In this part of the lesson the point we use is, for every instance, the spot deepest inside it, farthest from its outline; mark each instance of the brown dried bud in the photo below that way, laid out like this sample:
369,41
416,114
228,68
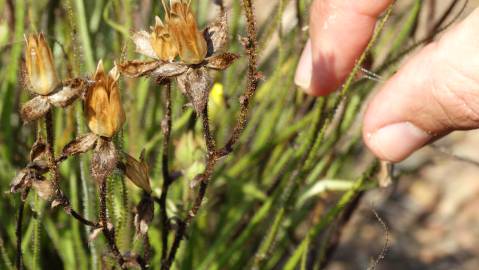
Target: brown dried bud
104,111
137,172
195,84
144,215
103,160
40,66
190,42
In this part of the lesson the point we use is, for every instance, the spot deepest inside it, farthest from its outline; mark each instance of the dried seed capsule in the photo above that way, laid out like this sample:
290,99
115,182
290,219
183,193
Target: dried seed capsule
41,71
190,42
104,111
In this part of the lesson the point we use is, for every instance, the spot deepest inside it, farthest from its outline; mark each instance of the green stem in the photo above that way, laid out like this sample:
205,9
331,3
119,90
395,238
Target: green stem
84,34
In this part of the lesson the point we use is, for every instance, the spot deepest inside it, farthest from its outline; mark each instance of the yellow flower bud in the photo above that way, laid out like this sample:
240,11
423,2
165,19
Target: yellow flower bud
190,42
40,66
162,42
104,111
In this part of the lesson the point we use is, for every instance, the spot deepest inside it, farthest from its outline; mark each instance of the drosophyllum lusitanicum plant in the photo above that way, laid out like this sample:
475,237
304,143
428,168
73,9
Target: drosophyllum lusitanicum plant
179,52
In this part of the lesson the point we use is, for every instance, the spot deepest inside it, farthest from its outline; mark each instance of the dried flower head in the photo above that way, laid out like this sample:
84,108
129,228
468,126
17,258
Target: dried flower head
33,174
190,42
41,73
104,111
198,52
42,80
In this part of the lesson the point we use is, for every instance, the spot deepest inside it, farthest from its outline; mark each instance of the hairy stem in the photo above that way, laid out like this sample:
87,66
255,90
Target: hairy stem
166,128
250,44
109,233
18,233
203,179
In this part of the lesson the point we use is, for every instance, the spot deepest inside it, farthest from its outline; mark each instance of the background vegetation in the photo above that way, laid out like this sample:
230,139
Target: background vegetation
279,201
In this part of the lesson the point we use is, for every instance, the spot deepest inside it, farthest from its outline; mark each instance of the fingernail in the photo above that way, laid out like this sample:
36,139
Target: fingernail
396,142
302,77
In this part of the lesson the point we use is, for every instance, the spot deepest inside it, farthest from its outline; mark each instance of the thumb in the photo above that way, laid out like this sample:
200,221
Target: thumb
434,93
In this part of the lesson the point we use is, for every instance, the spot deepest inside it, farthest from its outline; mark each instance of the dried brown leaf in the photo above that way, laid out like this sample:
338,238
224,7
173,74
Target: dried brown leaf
196,84
68,93
22,180
38,149
35,108
135,68
144,215
44,189
168,70
216,35
104,160
143,44
80,145
222,61
137,172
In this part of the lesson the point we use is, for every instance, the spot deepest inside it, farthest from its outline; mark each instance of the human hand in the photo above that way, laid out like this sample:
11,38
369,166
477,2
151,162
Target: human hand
435,92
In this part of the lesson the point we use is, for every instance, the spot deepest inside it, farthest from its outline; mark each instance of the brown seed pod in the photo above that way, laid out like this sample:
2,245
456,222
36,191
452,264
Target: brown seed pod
195,84
104,111
144,215
103,160
41,73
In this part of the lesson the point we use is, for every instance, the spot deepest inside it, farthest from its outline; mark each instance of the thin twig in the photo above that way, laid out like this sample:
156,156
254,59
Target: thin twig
254,77
386,242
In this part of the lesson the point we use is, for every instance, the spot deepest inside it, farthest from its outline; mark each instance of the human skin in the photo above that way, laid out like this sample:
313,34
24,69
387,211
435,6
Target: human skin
435,91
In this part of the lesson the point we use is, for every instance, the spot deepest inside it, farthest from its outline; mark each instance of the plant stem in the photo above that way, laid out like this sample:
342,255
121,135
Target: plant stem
109,233
166,128
18,233
203,179
84,34
60,197
250,44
